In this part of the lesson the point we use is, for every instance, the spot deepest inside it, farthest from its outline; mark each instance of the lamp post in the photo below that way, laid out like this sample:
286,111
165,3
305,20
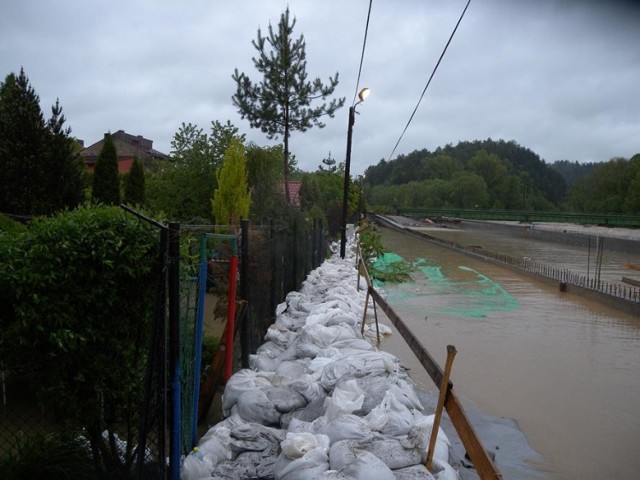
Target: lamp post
364,93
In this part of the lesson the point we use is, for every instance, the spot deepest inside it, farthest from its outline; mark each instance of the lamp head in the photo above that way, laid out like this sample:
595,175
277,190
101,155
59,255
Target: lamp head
364,93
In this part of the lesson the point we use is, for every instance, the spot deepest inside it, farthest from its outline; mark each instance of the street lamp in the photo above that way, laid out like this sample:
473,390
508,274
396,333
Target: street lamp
364,93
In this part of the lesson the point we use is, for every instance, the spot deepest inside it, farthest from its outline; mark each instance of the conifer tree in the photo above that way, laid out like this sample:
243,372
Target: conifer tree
22,148
281,102
106,182
134,191
40,170
231,200
67,171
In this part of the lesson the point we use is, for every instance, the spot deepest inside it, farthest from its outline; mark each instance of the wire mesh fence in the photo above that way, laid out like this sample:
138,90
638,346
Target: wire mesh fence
274,259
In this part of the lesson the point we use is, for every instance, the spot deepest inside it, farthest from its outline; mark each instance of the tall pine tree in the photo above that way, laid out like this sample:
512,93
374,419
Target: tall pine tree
40,170
67,171
22,148
106,182
281,102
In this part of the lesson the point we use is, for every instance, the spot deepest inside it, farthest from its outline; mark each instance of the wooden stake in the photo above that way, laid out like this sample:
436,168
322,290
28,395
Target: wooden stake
444,387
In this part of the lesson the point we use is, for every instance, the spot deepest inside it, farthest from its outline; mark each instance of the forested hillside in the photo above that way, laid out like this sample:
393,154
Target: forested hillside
478,174
573,171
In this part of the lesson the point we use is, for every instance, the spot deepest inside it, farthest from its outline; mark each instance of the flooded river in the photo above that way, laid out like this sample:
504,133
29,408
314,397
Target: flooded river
566,368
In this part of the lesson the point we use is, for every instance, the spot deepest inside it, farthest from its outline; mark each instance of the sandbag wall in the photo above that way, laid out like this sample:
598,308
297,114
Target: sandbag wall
320,401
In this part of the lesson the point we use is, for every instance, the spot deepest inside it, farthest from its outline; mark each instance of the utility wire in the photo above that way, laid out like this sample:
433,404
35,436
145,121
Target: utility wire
429,81
364,43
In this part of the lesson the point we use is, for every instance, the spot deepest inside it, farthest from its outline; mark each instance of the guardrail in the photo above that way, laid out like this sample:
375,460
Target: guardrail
607,219
486,468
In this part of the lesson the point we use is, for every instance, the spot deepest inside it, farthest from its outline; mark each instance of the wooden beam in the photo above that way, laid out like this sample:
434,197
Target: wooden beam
485,467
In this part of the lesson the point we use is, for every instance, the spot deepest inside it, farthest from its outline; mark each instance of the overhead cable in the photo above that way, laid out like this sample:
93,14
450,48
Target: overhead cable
364,43
429,81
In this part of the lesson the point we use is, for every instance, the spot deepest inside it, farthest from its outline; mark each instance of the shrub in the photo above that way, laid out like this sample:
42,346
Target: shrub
77,291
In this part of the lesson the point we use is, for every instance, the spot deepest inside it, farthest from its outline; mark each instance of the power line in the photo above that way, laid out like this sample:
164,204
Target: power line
364,43
429,81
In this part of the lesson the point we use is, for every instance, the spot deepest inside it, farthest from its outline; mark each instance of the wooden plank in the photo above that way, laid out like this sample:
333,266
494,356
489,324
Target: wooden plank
485,467
426,360
631,281
481,460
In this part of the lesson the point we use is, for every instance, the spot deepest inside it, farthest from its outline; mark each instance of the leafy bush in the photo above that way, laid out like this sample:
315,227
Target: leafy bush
49,457
77,293
372,250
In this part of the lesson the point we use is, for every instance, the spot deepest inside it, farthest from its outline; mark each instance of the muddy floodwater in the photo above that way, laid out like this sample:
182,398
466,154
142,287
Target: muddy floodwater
566,368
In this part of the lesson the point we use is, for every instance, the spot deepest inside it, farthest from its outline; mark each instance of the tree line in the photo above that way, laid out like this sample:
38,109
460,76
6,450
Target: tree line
499,174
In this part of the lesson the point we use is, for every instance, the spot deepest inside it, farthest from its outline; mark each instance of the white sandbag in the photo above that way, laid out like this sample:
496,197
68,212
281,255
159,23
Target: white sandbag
285,399
419,435
393,454
414,472
280,335
295,445
253,437
310,413
391,417
195,466
306,386
261,363
214,445
371,333
388,449
358,365
240,382
308,467
444,471
352,344
375,388
345,427
255,406
314,337
270,349
367,466
299,426
346,398
291,369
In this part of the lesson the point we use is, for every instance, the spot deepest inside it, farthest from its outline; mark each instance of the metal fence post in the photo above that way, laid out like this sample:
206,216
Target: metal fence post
245,292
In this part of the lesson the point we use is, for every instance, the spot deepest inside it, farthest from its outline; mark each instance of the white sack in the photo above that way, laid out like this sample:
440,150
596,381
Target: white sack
347,398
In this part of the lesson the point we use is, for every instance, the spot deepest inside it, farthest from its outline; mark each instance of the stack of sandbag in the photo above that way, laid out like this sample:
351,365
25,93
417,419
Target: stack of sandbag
320,401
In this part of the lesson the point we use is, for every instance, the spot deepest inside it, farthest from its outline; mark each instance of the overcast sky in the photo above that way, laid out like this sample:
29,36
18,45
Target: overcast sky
561,77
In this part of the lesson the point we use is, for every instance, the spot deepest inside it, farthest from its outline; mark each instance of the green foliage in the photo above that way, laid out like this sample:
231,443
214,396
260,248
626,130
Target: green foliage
573,171
309,193
9,225
264,172
231,200
281,102
106,180
40,171
77,294
611,187
182,189
514,178
372,250
134,192
48,456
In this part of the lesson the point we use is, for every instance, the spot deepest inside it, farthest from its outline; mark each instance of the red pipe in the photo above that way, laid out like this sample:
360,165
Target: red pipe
231,315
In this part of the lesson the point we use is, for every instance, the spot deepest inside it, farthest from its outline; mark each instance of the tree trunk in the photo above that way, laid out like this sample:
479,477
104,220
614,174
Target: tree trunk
286,155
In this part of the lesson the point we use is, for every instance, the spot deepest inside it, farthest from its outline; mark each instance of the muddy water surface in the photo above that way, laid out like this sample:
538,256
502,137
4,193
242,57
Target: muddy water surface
568,369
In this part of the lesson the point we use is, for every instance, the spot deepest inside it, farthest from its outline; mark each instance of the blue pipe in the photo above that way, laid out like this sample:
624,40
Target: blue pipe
202,293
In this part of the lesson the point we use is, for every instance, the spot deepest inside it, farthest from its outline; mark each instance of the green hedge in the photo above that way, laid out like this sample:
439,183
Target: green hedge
77,295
